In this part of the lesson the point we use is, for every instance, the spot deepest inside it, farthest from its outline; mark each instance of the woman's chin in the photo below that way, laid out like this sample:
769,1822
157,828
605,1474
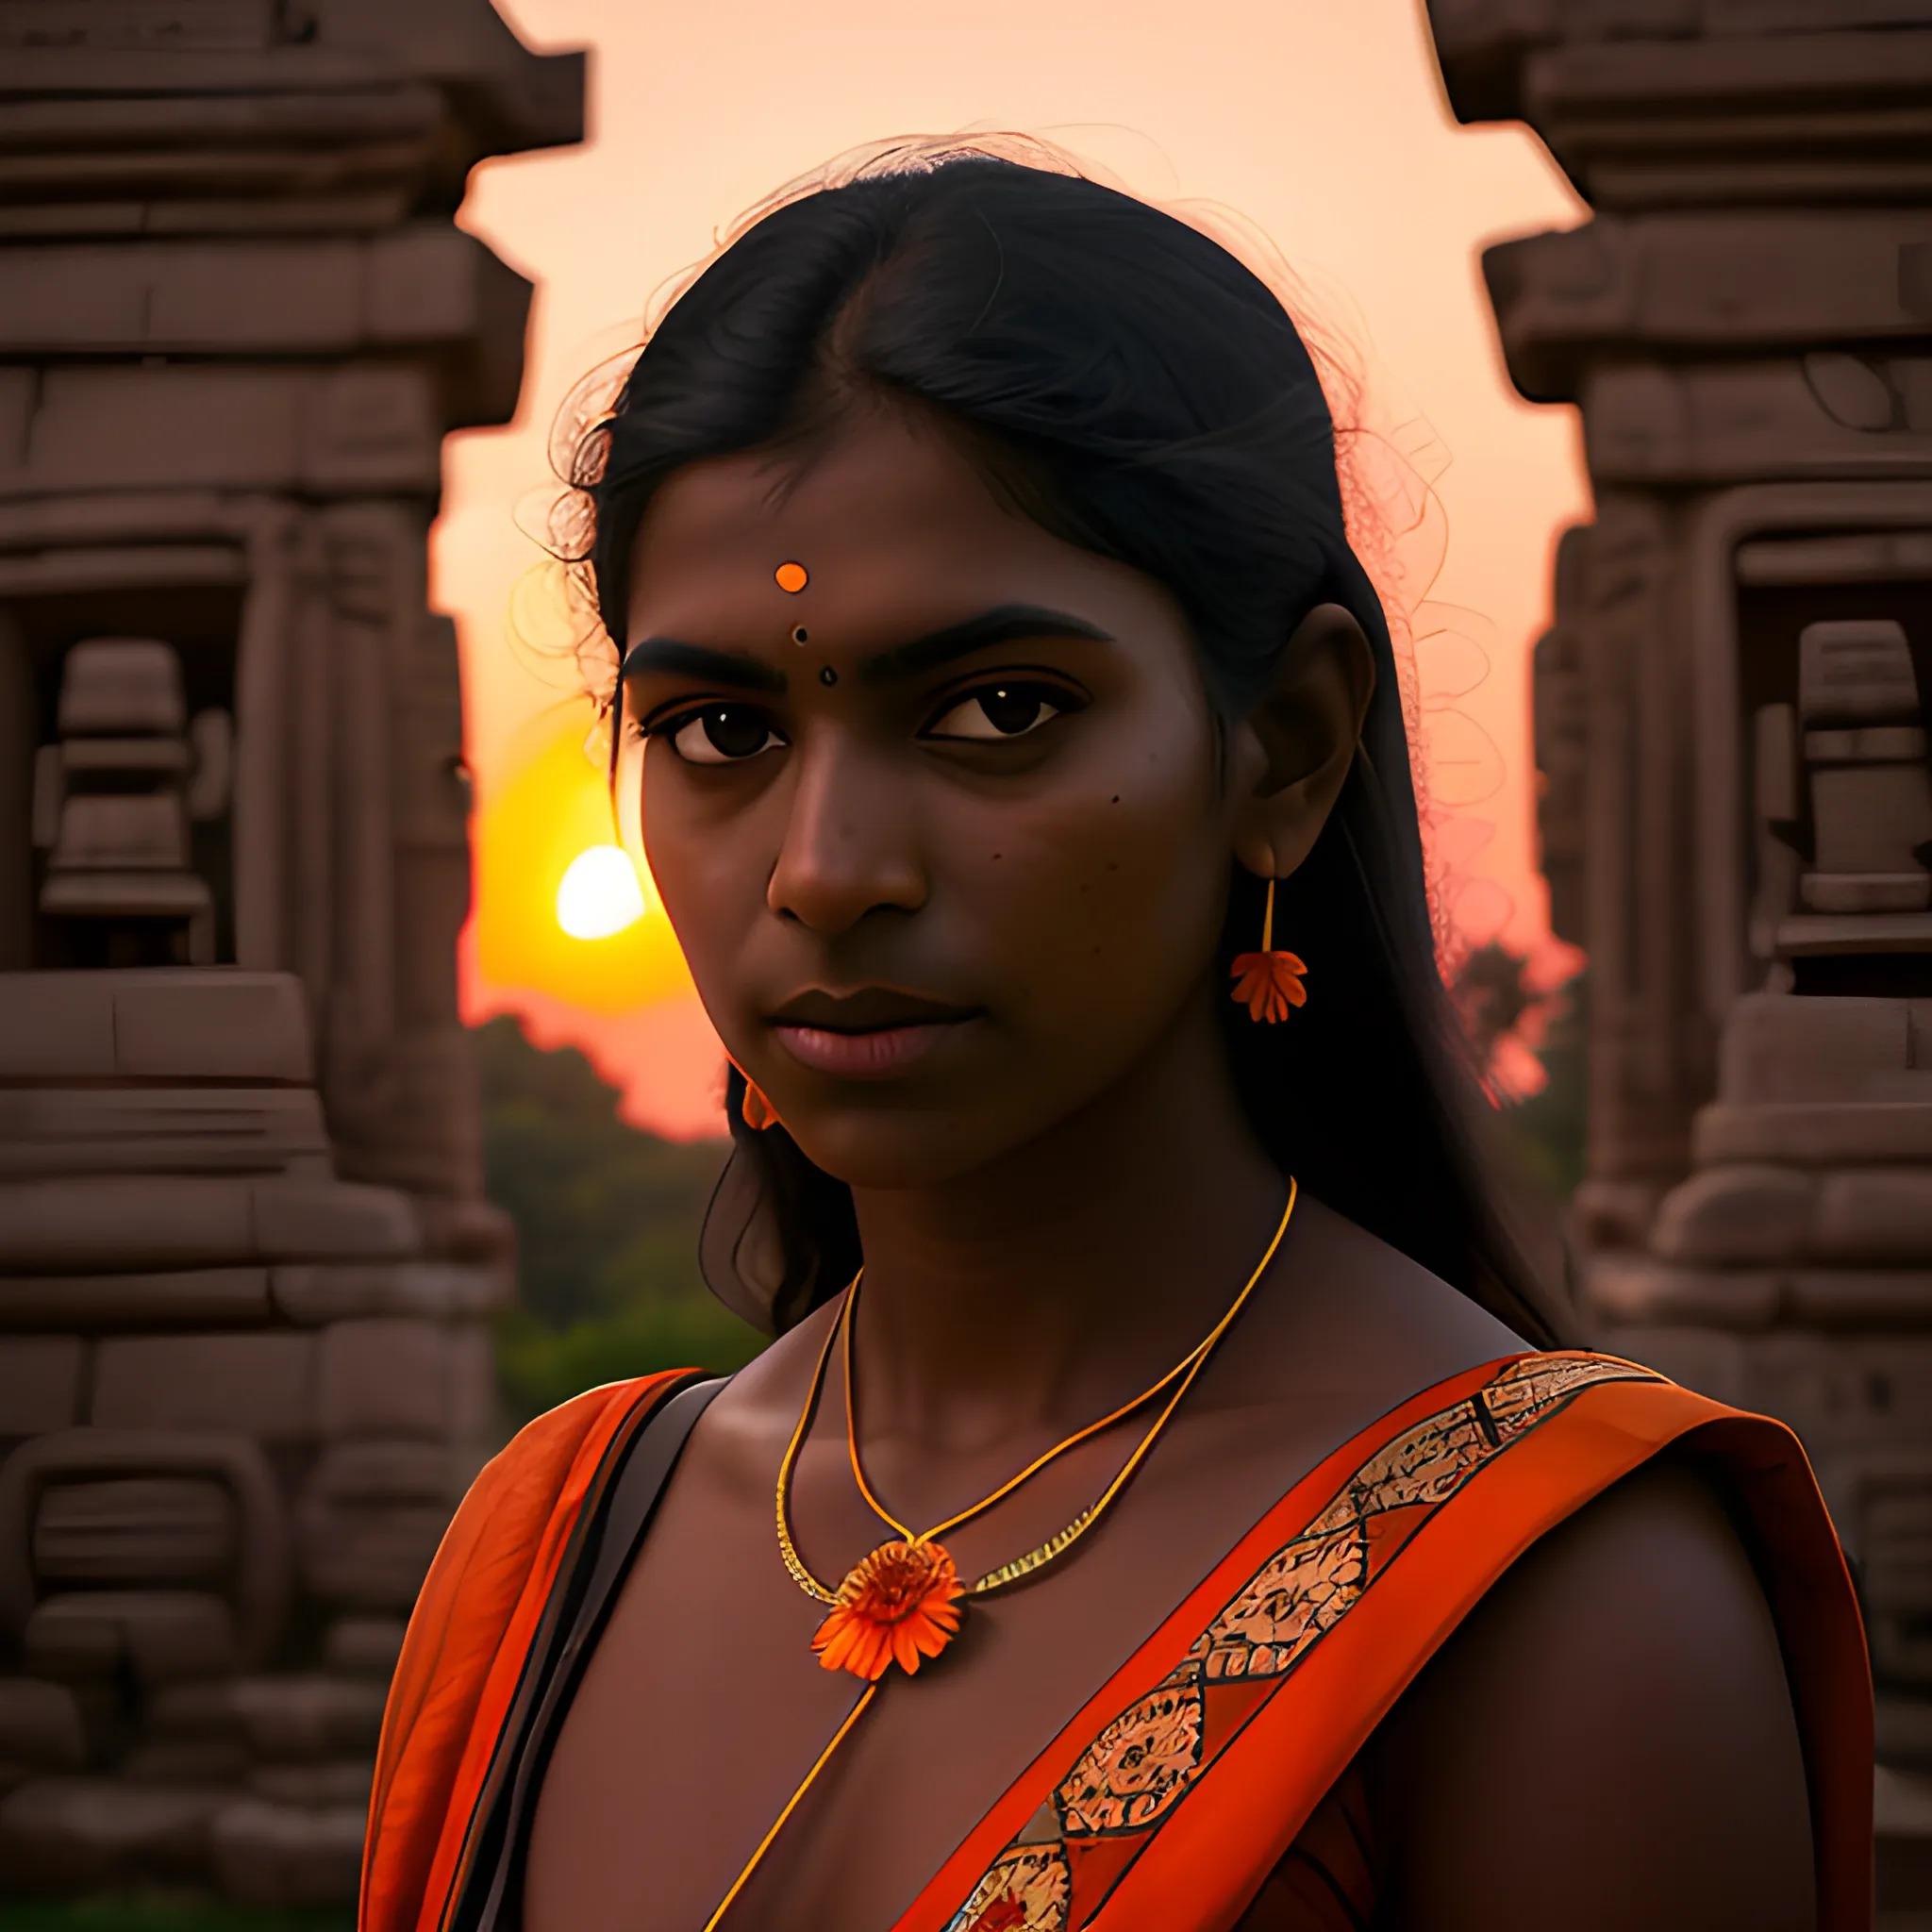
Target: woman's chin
889,1147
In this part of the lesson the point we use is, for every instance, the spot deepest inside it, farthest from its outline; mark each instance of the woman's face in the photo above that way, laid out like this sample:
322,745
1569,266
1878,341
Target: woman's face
942,833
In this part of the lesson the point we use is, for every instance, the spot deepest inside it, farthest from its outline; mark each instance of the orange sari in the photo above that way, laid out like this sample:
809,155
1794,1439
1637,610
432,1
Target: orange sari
1177,1791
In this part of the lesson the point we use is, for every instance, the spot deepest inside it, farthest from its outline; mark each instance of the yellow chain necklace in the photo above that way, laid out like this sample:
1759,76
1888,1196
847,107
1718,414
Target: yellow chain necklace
900,1603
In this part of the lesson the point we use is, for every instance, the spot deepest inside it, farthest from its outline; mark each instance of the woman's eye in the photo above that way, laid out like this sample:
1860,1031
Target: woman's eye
722,735
1000,710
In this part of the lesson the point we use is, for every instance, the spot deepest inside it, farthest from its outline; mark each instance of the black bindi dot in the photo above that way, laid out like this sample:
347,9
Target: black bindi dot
798,635
827,675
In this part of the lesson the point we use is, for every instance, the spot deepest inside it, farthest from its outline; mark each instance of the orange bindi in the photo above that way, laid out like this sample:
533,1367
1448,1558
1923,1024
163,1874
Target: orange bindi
791,577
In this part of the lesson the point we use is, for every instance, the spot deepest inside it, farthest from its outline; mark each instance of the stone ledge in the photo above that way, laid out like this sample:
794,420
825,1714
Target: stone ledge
162,1024
287,1855
87,1130
1813,1133
138,1221
1638,1290
1756,1214
196,1297
68,1834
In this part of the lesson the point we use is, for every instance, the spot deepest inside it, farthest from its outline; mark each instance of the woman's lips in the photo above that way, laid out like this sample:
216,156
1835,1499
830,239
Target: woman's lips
870,1055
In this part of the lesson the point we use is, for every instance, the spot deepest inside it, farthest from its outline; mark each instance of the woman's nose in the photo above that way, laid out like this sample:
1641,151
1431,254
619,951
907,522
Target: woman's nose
850,845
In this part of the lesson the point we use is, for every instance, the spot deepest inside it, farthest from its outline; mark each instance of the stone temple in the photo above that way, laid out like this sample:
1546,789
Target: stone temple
1731,717
244,1253
243,1256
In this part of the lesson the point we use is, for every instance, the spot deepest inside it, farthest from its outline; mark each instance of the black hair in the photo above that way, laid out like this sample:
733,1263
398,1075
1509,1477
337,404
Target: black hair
1142,394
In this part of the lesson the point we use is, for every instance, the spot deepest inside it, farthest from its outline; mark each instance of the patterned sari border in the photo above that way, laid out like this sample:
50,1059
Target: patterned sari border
1057,1871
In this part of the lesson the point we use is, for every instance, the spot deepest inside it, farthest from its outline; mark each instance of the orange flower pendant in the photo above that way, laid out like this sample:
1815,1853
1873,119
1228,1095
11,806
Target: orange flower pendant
899,1604
1267,984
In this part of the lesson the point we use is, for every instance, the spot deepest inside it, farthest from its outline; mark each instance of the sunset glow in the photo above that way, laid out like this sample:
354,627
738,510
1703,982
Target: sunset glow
1324,124
559,910
599,894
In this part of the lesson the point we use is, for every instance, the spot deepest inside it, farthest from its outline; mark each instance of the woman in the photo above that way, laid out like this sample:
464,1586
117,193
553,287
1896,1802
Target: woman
998,680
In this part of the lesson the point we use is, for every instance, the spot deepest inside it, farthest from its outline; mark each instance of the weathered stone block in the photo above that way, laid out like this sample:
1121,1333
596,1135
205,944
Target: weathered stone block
370,1519
220,1024
258,1583
155,1221
1813,1133
314,1292
104,831
336,432
185,1761
195,1711
1776,1048
159,1636
284,1856
330,1219
408,1379
57,1027
1735,1215
1636,1289
364,1646
1878,1214
41,1379
1859,1297
1725,421
256,1385
1697,279
124,1221
135,1530
160,1130
41,1727
309,1719
60,1835
1871,819
154,1023
212,1297
315,1786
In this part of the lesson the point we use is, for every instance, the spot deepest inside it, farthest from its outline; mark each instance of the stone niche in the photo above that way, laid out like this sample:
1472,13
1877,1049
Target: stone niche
1732,708
244,1262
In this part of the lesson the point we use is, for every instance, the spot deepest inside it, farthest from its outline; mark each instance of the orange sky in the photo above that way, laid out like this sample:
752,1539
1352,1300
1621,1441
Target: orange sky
1320,120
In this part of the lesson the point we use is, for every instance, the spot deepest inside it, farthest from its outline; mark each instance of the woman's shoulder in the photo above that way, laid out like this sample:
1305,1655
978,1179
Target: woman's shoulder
1617,1704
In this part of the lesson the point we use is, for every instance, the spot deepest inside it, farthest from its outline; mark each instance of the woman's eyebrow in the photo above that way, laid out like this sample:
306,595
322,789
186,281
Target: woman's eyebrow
738,668
1005,625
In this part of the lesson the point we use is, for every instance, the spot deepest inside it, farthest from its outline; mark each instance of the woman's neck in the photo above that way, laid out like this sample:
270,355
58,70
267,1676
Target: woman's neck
1048,1287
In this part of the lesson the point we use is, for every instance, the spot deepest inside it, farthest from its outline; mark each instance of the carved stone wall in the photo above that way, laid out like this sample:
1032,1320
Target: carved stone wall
244,1254
1731,711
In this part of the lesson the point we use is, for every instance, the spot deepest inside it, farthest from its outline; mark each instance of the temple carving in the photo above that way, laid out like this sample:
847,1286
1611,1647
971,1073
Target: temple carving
243,1252
1731,715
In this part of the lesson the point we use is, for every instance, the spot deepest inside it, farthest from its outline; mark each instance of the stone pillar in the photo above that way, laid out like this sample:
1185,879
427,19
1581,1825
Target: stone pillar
1731,713
244,1262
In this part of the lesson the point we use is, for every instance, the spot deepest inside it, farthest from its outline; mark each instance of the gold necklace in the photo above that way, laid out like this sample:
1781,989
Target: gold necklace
900,1603
902,1579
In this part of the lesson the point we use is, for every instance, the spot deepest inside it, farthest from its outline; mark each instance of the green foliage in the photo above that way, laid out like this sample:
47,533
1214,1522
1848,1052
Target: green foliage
1550,1127
160,1912
607,1221
1547,1129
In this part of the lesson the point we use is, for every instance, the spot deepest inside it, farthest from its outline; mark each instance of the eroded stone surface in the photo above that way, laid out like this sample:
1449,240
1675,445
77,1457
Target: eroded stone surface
244,1253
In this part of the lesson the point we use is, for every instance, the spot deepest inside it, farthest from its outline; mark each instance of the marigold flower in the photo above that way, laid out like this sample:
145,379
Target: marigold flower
898,1605
1269,984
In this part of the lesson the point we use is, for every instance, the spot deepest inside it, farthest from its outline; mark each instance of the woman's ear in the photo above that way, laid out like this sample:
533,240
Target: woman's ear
1290,755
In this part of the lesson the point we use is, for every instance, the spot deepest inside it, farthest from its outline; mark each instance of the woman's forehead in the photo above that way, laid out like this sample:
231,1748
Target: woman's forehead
889,523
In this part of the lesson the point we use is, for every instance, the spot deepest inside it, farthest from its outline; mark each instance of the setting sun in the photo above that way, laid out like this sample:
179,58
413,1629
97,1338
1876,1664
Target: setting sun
599,894
558,905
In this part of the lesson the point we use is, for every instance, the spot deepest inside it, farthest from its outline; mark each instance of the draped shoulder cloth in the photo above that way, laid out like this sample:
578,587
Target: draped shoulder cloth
1166,1803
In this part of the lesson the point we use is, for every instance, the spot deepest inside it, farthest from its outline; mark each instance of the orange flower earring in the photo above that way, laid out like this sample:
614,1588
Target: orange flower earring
1268,982
756,1110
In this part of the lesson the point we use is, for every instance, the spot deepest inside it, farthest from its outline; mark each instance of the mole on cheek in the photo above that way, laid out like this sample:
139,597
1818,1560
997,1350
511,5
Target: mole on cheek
829,675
